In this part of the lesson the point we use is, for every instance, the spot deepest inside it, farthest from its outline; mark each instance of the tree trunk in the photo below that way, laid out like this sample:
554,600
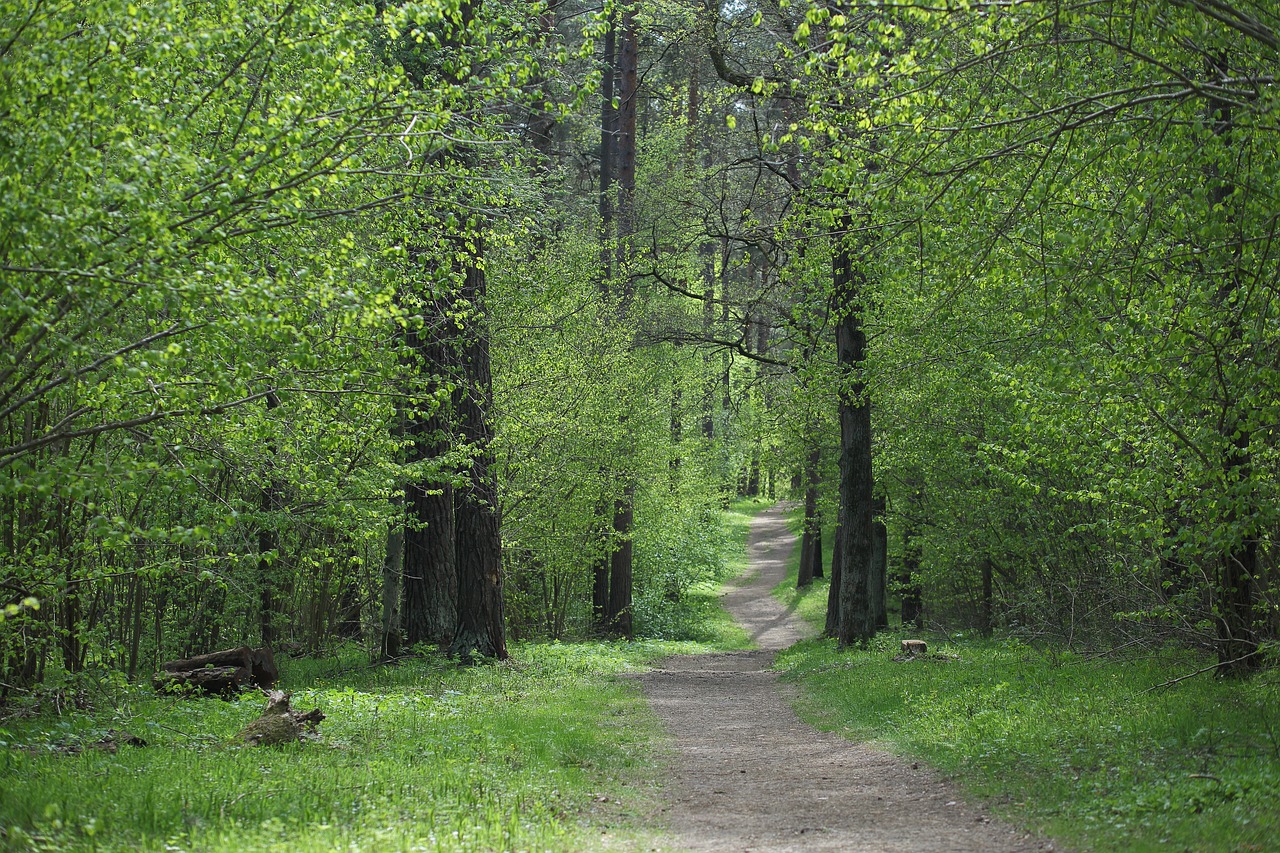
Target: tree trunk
880,571
392,566
857,617
430,565
608,145
135,628
811,540
986,614
628,102
912,606
817,545
268,545
833,591
600,582
620,558
620,589
480,622
1238,570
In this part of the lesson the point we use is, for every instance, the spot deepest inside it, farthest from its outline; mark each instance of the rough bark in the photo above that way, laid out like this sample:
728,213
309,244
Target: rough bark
833,591
880,572
912,604
811,540
222,672
986,613
620,565
392,567
480,622
600,586
857,618
608,145
268,545
430,568
1237,615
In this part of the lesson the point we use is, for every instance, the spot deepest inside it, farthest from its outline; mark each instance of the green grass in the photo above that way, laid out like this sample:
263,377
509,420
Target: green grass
1074,747
549,751
738,517
810,603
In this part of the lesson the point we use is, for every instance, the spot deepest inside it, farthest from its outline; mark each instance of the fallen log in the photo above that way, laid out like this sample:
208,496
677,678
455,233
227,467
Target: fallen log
212,680
221,672
280,724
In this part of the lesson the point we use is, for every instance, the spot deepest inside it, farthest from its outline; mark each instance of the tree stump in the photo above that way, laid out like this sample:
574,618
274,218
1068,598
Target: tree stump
913,648
279,724
220,673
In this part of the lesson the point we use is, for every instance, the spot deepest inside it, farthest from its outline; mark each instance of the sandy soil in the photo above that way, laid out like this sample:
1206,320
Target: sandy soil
750,776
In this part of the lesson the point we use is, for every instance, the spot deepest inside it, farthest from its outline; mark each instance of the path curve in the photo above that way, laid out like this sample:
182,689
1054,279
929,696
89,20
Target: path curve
750,776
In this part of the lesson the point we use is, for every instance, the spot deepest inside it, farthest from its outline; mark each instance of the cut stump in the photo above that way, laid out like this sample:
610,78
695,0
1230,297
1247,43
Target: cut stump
913,648
279,724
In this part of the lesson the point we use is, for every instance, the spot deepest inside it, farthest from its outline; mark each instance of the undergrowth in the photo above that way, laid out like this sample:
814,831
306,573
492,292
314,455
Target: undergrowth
544,752
548,751
1088,750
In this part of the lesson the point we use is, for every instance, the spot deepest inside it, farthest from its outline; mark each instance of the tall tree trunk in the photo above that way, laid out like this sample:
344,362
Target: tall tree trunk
811,540
620,559
430,564
817,542
1238,569
628,102
986,613
268,545
600,580
480,623
833,592
608,146
880,568
706,251
620,570
726,360
912,605
392,566
857,617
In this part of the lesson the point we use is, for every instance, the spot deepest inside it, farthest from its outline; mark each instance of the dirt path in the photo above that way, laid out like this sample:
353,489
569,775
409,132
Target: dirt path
752,777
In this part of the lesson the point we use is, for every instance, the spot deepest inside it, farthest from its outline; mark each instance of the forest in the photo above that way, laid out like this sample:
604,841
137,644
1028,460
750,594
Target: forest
446,325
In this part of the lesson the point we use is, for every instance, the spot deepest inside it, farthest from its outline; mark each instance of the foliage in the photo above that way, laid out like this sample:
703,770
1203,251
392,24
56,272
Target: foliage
543,753
1081,748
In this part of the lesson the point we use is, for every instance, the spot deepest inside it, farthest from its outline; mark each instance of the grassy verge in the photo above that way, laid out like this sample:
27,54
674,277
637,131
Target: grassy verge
810,603
1080,749
738,517
1077,748
550,751
547,752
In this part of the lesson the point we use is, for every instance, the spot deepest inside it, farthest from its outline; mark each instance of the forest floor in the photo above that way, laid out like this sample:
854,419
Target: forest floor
750,776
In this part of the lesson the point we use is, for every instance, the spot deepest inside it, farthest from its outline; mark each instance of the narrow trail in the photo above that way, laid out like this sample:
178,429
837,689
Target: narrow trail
750,776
